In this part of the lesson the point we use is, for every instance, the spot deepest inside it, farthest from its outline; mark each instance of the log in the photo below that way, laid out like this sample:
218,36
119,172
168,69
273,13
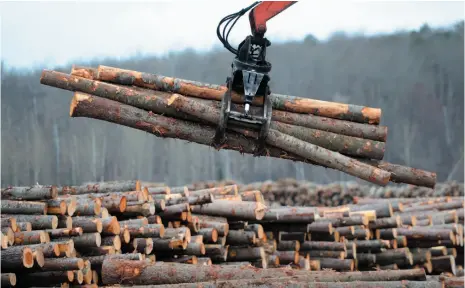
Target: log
342,265
143,245
216,252
444,264
38,222
8,280
246,253
102,187
426,233
114,241
88,224
9,222
85,240
254,196
326,254
115,203
59,233
85,105
288,246
111,226
23,207
404,174
57,207
343,144
341,111
49,250
31,237
14,258
240,237
64,222
136,209
322,245
88,207
209,235
37,192
97,261
383,223
62,264
232,209
116,271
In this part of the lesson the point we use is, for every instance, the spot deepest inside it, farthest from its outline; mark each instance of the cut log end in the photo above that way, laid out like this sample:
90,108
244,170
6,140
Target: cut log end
28,257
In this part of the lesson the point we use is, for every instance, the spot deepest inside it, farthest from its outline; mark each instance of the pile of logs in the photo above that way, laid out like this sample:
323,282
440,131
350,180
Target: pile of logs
290,192
140,233
340,136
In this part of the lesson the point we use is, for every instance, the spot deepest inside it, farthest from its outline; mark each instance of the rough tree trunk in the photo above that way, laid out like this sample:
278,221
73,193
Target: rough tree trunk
115,271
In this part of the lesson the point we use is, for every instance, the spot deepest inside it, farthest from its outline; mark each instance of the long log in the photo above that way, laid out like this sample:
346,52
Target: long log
102,187
116,271
232,209
215,92
38,222
36,192
23,207
343,144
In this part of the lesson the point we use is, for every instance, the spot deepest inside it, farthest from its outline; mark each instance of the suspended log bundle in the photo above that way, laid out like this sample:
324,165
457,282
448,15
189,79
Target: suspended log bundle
340,136
212,234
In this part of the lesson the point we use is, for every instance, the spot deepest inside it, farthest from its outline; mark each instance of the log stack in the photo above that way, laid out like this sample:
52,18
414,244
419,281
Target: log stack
139,233
290,192
340,136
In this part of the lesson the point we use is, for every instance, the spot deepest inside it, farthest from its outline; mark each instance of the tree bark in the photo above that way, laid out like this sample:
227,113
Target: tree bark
232,209
404,174
88,224
44,279
85,240
342,265
215,92
32,237
102,187
115,271
36,192
63,232
246,253
343,144
426,233
240,237
23,207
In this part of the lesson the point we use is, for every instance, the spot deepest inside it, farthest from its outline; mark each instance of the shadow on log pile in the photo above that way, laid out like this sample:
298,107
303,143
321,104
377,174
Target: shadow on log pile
188,242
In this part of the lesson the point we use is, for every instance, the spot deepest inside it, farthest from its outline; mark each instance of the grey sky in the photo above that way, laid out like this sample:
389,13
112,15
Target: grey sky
44,34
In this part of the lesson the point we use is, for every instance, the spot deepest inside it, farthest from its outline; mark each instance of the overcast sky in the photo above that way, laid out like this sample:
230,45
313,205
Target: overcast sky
45,34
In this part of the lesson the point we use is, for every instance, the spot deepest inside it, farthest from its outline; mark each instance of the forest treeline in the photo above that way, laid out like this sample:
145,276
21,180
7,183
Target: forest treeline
415,77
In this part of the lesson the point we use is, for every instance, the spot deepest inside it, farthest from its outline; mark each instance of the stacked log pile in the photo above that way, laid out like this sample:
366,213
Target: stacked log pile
340,136
133,233
290,192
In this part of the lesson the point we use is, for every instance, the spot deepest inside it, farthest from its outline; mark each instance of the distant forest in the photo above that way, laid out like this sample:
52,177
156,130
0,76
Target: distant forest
415,77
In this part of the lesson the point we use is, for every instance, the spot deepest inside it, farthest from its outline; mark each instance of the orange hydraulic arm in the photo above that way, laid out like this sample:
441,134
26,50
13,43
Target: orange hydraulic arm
263,12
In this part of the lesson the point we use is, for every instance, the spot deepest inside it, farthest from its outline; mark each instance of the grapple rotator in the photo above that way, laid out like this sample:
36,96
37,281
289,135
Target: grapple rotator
249,80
